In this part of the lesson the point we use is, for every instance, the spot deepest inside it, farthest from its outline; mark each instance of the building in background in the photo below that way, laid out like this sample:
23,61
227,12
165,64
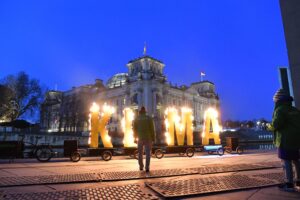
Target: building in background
290,11
145,84
69,111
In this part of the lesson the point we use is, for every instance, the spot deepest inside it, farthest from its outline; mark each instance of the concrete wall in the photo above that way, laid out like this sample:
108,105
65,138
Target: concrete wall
290,11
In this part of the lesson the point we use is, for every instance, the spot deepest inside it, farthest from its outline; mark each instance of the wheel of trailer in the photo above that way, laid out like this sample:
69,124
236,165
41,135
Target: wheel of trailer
75,156
228,149
106,155
159,153
239,150
220,151
44,154
190,152
153,155
136,154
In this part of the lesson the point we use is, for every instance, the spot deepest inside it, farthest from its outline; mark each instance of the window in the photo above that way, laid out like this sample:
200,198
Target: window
135,99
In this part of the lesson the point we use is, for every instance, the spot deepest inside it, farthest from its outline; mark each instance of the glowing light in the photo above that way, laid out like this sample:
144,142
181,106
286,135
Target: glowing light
90,118
187,123
98,125
108,109
89,140
168,138
107,138
126,123
211,127
183,125
171,117
94,108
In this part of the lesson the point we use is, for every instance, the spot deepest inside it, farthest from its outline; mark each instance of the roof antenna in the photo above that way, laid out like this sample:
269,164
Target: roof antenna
145,49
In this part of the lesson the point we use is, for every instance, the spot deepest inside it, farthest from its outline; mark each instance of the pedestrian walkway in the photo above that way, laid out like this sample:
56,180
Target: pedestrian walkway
247,176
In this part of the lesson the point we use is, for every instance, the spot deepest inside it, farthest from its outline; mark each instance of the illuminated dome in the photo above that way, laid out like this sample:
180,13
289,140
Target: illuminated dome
117,80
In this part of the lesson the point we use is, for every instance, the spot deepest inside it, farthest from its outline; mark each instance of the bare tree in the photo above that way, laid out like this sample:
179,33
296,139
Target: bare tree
8,106
26,93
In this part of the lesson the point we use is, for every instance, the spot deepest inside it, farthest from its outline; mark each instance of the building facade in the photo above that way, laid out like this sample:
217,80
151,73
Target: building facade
290,12
69,111
145,84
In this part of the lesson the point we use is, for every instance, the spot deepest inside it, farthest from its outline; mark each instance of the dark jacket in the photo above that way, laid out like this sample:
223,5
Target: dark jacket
286,125
143,128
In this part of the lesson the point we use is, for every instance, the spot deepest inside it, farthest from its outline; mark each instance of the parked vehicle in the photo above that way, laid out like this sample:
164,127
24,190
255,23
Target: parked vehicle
42,152
232,145
20,149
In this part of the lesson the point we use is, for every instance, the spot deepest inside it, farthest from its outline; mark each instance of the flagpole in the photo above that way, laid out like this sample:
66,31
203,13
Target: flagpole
201,76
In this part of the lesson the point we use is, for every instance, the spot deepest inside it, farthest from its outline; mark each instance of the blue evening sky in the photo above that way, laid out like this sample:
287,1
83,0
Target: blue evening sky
239,44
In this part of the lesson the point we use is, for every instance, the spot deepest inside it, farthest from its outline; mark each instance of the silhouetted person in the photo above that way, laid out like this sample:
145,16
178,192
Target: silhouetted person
286,127
144,132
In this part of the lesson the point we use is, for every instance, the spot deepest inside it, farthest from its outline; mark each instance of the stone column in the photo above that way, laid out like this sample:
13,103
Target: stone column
154,104
147,94
140,98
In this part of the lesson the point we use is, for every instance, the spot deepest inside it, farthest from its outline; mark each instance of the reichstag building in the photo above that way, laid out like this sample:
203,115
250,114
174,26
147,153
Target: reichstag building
145,84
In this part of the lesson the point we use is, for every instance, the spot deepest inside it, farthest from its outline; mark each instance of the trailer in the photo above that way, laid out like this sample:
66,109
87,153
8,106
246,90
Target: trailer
129,151
160,151
104,152
20,149
11,149
232,145
156,152
188,150
72,151
211,149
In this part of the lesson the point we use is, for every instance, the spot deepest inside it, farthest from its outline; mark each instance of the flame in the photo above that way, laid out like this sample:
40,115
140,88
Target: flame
108,109
211,114
94,108
89,140
98,124
127,128
90,126
167,134
107,138
182,124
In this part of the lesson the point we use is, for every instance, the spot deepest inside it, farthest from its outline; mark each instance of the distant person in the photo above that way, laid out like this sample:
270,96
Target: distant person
144,134
286,127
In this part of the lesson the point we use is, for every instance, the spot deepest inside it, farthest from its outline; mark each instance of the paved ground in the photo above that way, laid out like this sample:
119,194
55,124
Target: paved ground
59,166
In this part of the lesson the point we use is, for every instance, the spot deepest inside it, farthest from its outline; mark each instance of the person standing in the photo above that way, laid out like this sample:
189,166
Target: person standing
144,134
286,127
